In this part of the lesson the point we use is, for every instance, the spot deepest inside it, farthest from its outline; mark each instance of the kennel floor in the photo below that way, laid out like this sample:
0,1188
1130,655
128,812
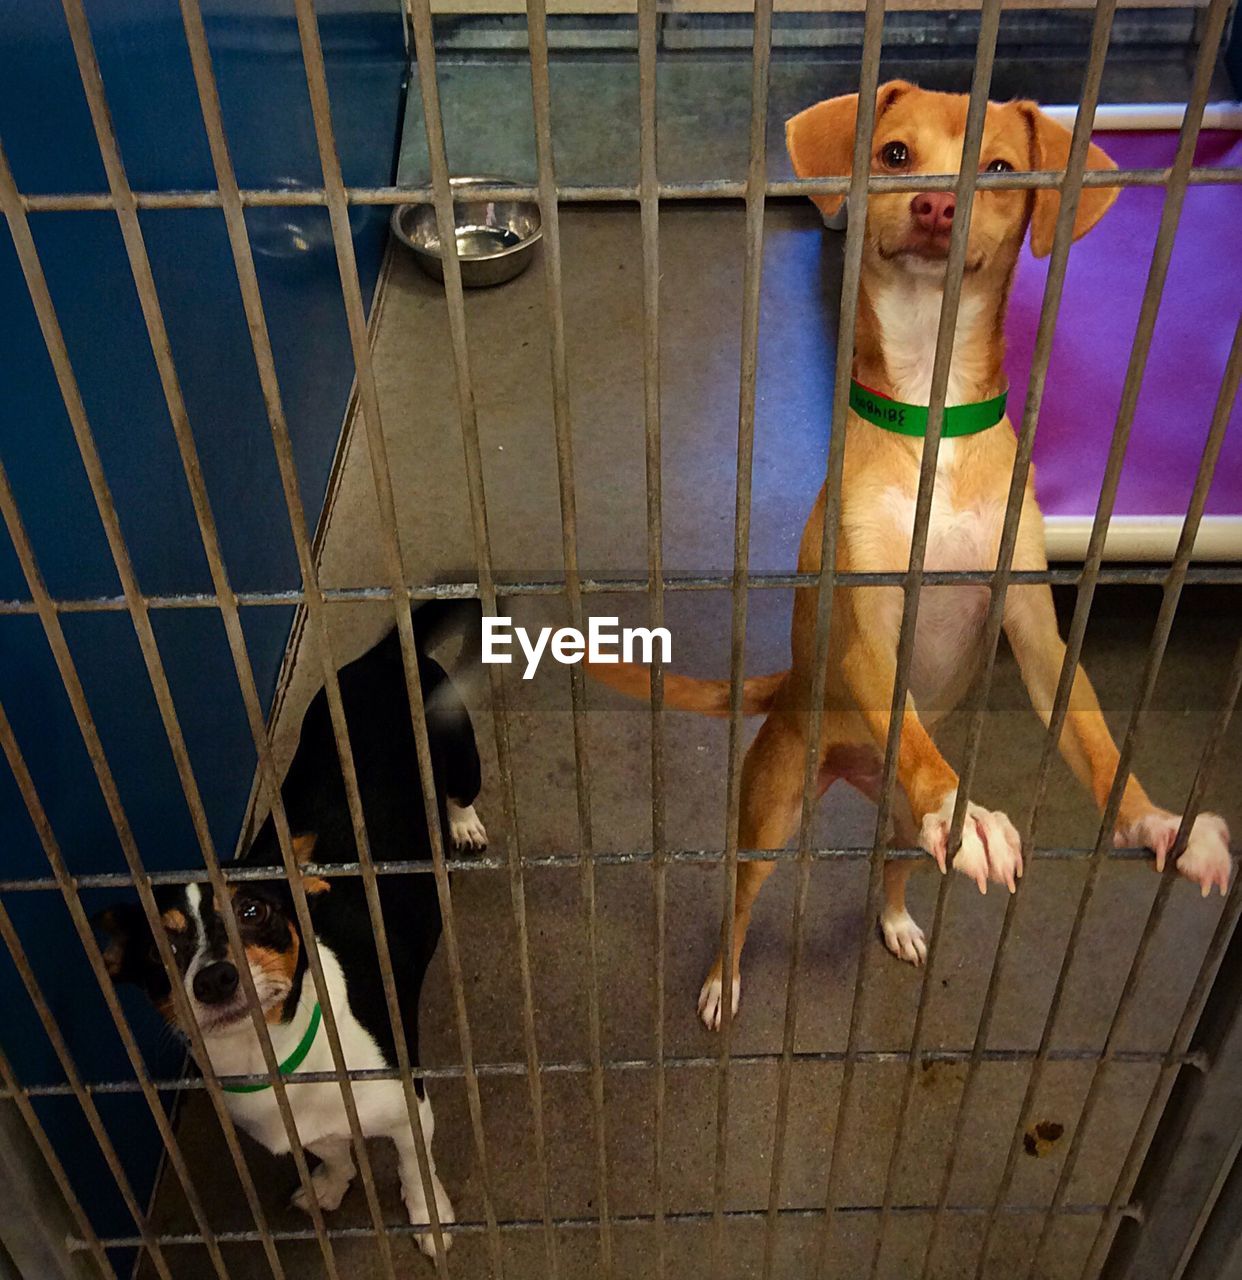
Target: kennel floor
701,265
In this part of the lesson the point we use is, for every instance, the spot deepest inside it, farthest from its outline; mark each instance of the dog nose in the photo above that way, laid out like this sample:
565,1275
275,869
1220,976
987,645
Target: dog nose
933,210
216,983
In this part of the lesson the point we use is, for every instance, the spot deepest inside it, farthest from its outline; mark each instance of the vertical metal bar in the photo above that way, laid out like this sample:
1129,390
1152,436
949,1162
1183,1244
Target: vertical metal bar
58,353
873,30
1164,623
51,1028
649,214
964,196
39,1135
337,203
425,44
90,737
1176,191
970,164
261,343
1062,239
145,284
752,283
1190,1014
537,26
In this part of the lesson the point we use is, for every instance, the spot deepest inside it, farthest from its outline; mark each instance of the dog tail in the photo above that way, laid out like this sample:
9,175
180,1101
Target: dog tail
689,693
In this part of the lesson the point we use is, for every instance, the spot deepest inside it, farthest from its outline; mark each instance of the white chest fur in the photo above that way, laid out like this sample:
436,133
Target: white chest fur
318,1110
960,536
908,311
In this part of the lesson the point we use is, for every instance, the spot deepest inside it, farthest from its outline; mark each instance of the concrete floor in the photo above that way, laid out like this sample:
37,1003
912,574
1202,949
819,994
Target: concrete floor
701,325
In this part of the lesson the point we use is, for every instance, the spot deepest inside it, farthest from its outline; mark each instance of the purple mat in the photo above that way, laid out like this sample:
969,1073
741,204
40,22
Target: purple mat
1099,313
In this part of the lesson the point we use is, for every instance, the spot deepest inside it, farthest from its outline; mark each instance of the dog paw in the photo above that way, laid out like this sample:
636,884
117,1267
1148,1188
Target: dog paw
990,848
465,827
426,1240
419,1217
710,1003
329,1192
903,937
1205,861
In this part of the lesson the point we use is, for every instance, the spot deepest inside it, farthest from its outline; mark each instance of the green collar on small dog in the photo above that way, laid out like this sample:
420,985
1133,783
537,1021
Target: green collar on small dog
911,419
291,1063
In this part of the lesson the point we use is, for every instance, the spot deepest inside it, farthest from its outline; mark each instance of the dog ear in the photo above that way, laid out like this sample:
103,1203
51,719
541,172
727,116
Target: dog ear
303,849
129,936
820,140
1050,147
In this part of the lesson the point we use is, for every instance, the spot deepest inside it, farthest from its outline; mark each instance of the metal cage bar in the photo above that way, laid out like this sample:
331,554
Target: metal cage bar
541,98
1164,623
964,186
90,1240
56,1038
752,281
152,314
144,283
709,857
672,1062
873,30
718,189
1194,1005
649,215
1049,310
760,580
681,1218
312,598
1213,31
487,592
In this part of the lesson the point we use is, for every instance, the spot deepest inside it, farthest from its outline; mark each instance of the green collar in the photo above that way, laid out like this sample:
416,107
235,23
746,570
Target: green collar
911,419
291,1063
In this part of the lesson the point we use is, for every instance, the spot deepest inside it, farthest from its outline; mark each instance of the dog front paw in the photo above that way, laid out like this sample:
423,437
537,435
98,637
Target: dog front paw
1205,861
990,848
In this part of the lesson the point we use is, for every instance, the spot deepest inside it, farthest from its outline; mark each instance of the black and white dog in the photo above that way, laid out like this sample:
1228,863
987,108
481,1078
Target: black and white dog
373,691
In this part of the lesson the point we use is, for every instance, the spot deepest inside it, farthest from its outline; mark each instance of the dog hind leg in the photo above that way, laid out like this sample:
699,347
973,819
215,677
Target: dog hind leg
770,806
412,1191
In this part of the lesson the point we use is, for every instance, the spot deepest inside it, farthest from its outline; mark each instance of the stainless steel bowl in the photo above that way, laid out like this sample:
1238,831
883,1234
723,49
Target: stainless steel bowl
495,238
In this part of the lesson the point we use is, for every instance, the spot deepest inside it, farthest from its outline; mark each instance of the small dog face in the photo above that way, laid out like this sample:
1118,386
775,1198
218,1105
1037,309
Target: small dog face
916,132
207,965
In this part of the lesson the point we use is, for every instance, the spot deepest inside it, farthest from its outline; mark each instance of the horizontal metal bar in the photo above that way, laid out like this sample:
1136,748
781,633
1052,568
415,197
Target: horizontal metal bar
579,1224
720,189
554,861
1135,576
190,1084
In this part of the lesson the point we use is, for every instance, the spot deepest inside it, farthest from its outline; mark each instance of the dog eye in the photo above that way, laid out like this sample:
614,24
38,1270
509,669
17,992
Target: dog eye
1000,166
251,911
895,155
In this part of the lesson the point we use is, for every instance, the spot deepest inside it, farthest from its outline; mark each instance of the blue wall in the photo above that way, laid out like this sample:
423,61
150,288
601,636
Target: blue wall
47,134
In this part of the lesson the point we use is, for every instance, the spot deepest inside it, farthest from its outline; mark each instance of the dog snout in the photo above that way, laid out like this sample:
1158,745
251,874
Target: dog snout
216,983
933,211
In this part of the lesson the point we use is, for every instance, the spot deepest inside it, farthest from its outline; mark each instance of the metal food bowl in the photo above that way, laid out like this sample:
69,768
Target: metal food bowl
495,238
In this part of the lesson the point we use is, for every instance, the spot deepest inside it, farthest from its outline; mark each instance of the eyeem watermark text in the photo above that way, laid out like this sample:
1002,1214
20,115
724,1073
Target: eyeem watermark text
606,641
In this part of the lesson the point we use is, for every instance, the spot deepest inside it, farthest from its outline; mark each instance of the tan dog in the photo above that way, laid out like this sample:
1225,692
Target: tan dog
903,270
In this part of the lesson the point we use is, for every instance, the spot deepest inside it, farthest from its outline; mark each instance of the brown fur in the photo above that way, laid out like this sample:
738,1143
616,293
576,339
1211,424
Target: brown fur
879,464
686,693
281,965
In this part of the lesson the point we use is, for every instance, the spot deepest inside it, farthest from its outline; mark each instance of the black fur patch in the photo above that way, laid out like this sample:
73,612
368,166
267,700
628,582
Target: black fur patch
373,691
